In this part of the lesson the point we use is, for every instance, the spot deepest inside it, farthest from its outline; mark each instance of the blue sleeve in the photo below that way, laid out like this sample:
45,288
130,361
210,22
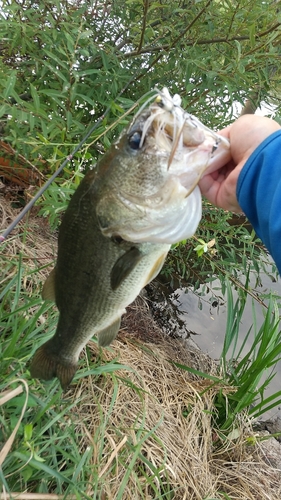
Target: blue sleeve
259,193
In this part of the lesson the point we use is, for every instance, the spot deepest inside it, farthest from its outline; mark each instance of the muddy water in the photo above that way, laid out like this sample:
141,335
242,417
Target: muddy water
209,322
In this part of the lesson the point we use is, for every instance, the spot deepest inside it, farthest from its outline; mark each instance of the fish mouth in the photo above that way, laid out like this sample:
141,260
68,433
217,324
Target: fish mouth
173,149
185,137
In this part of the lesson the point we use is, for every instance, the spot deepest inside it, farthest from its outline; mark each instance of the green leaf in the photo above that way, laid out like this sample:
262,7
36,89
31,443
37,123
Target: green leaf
86,72
27,473
4,109
37,458
86,34
28,428
70,42
40,466
56,72
252,33
9,86
58,60
104,60
31,122
53,92
68,120
35,97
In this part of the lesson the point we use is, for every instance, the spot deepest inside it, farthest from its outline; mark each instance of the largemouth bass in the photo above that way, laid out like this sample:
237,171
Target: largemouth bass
119,225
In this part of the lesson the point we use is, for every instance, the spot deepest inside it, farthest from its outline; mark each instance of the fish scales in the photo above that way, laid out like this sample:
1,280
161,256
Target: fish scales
90,304
119,226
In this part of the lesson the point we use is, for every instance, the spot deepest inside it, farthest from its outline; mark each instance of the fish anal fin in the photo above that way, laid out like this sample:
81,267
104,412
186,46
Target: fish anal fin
47,365
106,336
156,268
48,291
124,266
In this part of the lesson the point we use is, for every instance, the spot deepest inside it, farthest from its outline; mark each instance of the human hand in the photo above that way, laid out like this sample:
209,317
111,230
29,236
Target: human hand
245,135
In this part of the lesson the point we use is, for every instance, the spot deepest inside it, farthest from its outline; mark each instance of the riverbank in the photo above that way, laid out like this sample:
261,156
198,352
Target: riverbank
146,427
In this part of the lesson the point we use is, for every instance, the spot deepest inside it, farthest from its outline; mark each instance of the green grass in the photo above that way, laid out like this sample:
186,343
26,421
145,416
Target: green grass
48,452
244,376
246,370
45,450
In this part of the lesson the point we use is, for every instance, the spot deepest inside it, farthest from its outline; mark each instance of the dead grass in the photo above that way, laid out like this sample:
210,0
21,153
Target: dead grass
151,427
31,241
184,448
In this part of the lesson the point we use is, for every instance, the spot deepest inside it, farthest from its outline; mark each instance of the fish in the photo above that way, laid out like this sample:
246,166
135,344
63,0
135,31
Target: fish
140,198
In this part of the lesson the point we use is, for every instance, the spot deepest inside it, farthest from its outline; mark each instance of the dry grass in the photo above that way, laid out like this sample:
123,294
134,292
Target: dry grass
41,242
184,448
151,428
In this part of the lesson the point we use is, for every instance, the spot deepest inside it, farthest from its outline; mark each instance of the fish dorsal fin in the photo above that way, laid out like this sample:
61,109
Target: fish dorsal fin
107,335
48,291
124,266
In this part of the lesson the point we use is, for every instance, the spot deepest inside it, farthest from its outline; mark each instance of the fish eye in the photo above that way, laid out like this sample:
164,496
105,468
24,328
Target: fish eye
134,140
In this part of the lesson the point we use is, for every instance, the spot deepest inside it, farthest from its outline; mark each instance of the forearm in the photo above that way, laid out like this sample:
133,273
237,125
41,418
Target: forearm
259,193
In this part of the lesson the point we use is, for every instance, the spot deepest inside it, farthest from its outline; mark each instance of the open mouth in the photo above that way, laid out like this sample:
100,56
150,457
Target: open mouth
176,129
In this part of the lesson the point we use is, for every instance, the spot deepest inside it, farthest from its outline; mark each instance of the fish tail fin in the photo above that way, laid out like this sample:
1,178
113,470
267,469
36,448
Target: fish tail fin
46,365
106,336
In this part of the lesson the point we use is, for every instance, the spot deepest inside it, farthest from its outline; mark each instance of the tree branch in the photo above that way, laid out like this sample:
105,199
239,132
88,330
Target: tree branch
151,49
143,26
191,24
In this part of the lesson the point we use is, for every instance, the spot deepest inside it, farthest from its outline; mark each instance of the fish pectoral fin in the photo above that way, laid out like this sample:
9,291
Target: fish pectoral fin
46,365
124,266
107,335
48,291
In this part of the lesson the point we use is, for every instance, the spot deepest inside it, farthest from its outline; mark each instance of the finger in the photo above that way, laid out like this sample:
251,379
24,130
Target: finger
209,188
225,132
220,187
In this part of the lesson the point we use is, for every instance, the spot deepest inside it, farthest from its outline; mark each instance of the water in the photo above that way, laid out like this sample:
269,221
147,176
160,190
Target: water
209,323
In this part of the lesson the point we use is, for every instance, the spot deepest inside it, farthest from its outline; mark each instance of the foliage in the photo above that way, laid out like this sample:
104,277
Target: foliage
245,371
231,253
46,450
62,64
225,247
244,376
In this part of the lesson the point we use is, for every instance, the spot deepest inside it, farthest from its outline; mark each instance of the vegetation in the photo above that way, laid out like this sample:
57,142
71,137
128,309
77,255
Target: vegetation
62,64
247,373
131,422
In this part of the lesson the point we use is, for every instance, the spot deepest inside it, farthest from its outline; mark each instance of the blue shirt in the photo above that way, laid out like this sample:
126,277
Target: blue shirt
259,193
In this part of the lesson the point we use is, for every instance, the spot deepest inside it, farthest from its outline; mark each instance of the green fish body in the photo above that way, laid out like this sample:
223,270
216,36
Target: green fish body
118,228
